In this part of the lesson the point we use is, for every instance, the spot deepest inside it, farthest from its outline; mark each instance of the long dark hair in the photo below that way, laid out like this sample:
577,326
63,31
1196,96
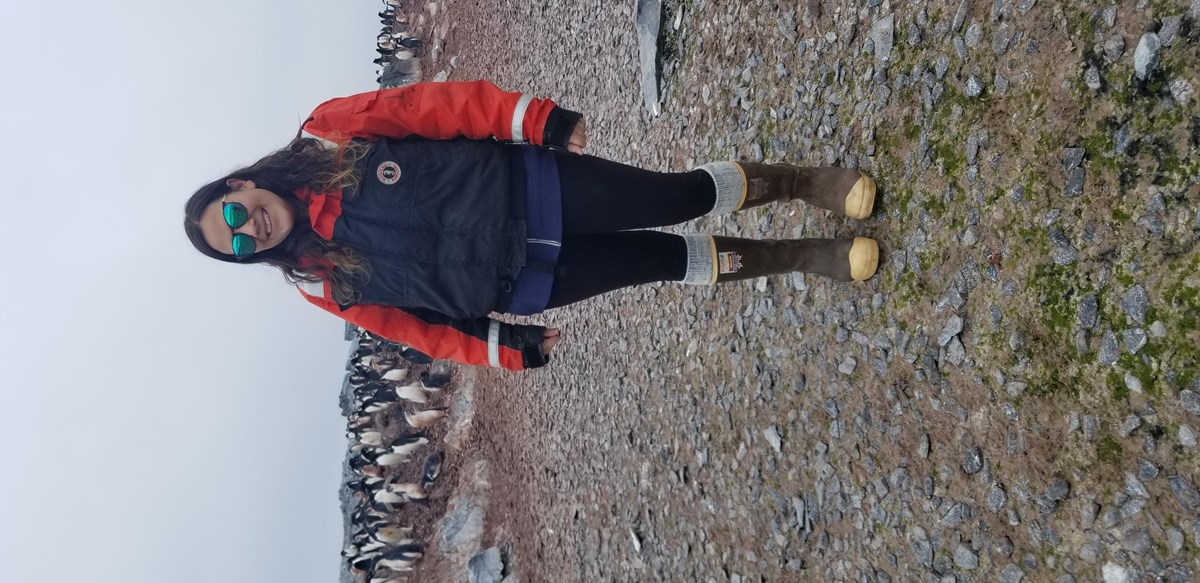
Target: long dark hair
303,256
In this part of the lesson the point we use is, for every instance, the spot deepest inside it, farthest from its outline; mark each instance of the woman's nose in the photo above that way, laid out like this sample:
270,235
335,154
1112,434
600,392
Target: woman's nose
250,228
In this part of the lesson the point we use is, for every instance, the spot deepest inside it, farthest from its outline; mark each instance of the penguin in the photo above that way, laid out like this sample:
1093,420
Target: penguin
370,519
377,403
415,356
408,447
408,490
434,381
374,438
383,508
400,559
388,497
365,469
392,535
383,459
410,42
431,470
395,375
426,418
414,392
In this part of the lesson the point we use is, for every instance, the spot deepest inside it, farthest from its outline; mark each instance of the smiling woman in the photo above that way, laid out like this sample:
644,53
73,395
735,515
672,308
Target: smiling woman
416,212
241,223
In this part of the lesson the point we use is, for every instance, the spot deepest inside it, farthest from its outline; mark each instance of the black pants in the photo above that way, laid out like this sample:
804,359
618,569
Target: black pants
602,201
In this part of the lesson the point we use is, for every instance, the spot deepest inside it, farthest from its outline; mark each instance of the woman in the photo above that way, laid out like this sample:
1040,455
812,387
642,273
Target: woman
393,210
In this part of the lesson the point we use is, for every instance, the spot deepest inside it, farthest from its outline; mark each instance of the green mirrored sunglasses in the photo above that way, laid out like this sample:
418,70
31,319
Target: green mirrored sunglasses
236,215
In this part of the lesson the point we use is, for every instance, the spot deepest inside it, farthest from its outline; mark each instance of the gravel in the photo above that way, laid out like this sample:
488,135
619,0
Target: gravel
792,427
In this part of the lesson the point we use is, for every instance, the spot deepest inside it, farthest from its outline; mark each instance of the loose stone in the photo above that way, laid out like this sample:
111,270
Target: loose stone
772,437
956,353
973,462
1114,573
1169,29
1059,489
1011,574
1135,339
1181,91
882,32
1087,516
1089,312
1185,493
1002,546
1137,541
1108,349
1131,423
1174,540
1134,486
941,66
974,86
965,558
1136,302
1091,78
1001,83
1072,158
974,35
1146,56
953,326
1187,436
996,498
1114,47
1074,186
1146,469
1190,401
1133,383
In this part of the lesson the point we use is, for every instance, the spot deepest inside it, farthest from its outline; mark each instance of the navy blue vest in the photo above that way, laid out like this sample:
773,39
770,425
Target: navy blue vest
443,225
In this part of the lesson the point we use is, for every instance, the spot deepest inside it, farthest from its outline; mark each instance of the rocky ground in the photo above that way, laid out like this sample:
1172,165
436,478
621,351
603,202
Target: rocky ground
1014,397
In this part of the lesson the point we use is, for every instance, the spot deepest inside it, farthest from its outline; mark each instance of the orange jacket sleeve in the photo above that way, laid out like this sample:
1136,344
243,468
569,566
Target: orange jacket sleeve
472,109
475,341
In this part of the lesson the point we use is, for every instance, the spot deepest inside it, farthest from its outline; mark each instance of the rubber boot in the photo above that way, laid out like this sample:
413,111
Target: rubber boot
742,185
720,259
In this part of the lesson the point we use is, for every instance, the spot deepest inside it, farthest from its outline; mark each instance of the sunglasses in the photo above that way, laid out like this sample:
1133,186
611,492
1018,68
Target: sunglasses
236,215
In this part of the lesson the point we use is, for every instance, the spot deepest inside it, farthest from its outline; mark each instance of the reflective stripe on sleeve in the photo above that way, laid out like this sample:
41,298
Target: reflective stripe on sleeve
315,289
494,344
518,133
326,143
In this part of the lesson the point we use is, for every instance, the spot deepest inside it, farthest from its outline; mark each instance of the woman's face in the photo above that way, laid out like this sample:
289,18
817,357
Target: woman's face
270,218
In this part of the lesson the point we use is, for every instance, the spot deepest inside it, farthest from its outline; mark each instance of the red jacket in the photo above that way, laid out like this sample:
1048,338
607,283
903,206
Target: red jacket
476,110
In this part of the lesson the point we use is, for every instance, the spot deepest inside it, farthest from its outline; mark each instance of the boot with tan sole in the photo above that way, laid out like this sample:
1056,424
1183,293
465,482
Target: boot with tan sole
721,259
742,185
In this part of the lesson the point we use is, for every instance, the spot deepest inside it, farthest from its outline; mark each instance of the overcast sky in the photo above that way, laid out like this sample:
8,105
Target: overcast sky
165,417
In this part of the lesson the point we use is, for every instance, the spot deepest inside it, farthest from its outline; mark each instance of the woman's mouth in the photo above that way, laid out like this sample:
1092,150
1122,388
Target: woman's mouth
267,222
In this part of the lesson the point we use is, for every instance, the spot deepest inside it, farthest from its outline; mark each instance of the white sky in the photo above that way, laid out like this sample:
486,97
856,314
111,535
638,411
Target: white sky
164,417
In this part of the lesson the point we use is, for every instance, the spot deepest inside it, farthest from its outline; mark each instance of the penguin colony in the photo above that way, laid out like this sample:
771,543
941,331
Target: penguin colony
389,418
397,47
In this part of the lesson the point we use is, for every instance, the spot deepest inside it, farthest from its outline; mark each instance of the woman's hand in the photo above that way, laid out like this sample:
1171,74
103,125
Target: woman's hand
550,338
578,140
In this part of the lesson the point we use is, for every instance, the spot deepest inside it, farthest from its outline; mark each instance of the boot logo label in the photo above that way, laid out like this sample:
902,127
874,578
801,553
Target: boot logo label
729,262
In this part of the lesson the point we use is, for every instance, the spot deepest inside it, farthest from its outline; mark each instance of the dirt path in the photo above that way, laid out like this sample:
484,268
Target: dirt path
1013,397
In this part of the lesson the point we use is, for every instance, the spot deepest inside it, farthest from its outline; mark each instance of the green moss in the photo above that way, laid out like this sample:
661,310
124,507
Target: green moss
1055,286
1144,373
952,162
1057,381
902,200
1108,450
1120,392
1119,215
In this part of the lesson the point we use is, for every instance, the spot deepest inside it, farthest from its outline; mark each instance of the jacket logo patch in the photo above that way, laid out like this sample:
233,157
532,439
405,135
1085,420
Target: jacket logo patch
388,172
